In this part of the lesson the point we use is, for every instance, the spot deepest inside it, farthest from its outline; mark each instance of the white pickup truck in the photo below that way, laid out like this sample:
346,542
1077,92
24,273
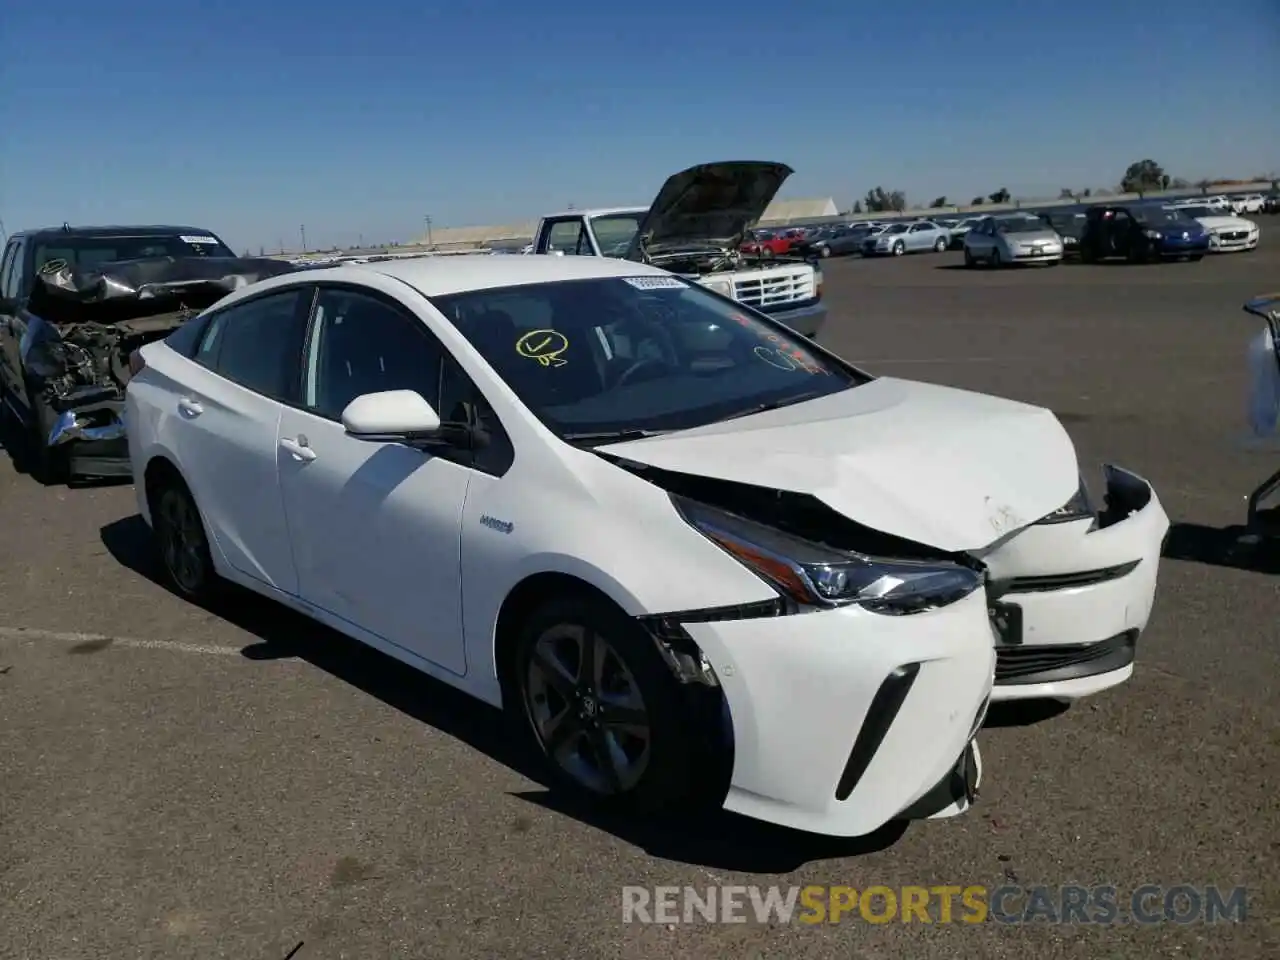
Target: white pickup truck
695,228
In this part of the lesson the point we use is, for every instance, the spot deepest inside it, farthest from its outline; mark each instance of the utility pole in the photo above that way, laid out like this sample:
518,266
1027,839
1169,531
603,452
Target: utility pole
426,222
303,230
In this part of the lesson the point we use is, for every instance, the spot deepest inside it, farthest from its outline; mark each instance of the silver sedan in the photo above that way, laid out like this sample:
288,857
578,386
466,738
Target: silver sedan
1012,238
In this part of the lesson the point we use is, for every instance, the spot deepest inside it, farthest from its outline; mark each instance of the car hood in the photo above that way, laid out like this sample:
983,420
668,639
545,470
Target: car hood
944,467
710,205
1192,227
1225,223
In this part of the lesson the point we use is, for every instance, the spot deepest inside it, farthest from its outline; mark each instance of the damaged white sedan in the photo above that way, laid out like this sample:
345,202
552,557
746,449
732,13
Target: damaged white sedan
667,535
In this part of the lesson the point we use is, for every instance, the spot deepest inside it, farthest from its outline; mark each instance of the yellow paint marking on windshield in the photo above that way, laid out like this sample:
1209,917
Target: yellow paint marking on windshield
545,346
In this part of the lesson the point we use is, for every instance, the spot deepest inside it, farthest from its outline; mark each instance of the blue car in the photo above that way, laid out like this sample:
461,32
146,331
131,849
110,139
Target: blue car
1141,233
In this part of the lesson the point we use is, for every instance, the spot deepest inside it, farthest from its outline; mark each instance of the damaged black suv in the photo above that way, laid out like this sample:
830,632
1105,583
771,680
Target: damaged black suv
75,302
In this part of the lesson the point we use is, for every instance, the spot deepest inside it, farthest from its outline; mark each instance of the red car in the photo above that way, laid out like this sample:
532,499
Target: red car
771,243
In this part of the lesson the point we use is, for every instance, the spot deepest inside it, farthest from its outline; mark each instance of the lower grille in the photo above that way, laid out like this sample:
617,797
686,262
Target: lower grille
1235,235
1067,661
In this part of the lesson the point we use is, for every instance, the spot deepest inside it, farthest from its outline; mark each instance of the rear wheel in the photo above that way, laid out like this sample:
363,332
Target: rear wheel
609,719
941,245
181,540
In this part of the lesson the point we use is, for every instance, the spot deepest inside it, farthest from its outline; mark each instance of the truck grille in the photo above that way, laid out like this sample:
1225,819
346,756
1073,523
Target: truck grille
773,287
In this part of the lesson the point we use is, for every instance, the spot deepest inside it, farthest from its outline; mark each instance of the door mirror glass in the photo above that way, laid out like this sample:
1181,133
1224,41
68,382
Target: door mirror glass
390,415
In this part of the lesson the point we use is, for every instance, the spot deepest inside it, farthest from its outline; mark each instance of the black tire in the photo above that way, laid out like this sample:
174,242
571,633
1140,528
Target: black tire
824,251
968,259
899,248
940,246
549,703
994,260
182,541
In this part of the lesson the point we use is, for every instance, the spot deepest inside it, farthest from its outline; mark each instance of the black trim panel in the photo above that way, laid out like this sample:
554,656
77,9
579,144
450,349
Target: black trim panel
1020,665
960,784
884,709
1063,581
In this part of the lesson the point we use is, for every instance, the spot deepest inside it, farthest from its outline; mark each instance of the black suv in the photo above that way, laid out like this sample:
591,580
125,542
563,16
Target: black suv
74,303
1141,232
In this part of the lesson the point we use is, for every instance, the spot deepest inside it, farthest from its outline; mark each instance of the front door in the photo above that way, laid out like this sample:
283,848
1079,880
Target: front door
375,527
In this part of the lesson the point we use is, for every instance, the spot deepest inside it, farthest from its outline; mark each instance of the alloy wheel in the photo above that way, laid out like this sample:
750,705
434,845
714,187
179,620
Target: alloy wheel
587,709
182,540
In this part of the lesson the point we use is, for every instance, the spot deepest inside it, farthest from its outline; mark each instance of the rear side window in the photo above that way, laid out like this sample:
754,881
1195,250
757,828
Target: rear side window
258,344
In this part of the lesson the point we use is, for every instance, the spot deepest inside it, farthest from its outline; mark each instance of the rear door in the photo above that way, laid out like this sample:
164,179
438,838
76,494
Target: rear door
226,411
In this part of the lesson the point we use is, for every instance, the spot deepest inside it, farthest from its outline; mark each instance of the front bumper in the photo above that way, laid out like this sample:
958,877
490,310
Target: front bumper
1220,244
844,719
806,320
1070,601
1169,247
93,437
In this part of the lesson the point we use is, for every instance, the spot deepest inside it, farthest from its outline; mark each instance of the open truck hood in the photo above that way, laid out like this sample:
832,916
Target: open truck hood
946,468
710,205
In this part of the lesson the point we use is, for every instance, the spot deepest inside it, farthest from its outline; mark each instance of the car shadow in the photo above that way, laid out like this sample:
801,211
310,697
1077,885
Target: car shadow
714,839
1221,547
1023,713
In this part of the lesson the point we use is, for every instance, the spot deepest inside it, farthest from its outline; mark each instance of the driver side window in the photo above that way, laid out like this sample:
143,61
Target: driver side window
362,344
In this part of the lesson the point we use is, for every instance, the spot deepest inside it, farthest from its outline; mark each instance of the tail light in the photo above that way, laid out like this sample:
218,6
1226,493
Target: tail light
136,363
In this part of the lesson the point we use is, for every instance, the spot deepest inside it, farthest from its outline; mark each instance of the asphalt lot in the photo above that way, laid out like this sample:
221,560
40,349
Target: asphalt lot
183,783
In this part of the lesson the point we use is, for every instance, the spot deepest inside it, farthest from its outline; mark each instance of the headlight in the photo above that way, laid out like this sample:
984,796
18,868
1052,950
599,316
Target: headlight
722,286
1153,234
1079,507
816,575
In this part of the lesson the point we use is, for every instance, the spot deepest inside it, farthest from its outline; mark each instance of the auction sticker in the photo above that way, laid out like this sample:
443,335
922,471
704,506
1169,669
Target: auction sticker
195,240
656,283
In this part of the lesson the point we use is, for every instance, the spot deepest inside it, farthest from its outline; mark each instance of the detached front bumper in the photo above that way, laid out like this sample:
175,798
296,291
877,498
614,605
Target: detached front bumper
1071,599
93,437
844,719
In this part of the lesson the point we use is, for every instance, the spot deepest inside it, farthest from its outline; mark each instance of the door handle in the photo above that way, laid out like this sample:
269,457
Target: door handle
189,407
298,449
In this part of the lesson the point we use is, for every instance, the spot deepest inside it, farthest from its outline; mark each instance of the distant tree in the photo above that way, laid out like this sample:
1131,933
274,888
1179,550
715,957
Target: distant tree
857,206
1165,180
1177,183
1000,196
977,201
1142,176
1202,185
1066,193
1087,192
938,202
880,200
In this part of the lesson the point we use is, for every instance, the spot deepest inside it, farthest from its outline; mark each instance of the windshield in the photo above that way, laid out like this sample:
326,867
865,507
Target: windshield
615,232
89,252
1158,215
1020,225
653,352
1197,211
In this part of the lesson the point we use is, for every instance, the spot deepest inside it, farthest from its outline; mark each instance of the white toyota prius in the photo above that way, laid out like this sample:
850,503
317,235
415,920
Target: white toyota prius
654,526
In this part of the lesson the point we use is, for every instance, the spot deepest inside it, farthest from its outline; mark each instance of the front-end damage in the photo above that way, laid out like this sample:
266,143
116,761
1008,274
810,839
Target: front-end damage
82,324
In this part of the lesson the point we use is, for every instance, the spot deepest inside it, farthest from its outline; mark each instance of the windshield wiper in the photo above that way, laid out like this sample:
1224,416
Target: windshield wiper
615,436
772,405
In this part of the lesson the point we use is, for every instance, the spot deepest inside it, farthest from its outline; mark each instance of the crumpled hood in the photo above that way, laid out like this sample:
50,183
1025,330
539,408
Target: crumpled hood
944,467
710,205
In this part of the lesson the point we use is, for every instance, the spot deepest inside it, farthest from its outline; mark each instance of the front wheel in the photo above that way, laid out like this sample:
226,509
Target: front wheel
899,249
181,541
605,712
940,246
968,259
995,260
824,252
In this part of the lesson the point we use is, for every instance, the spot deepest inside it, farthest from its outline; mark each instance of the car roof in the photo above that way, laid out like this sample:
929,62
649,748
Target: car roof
129,230
439,276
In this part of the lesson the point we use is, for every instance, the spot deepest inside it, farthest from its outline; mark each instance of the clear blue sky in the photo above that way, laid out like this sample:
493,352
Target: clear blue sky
357,117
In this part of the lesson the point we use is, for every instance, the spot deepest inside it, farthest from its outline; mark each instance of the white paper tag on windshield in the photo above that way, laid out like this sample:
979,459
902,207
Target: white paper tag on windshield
655,283
195,240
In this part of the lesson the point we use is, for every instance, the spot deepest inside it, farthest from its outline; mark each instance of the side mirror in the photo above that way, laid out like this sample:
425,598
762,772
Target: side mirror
390,416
